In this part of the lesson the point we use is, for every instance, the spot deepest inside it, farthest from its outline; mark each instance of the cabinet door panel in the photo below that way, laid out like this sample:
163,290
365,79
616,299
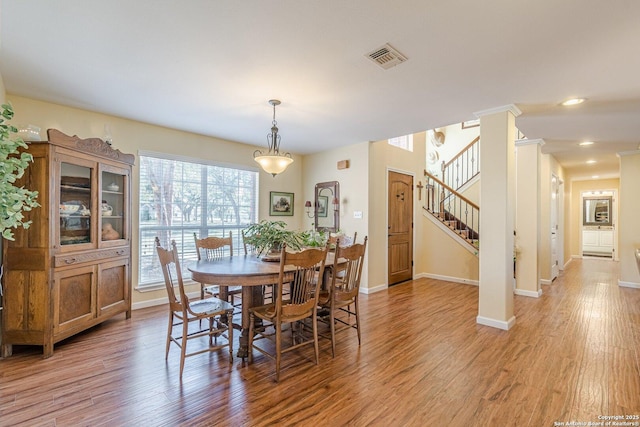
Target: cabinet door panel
590,238
76,190
113,290
74,302
114,208
15,300
606,238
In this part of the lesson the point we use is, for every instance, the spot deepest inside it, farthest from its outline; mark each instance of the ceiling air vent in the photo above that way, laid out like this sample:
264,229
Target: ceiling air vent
386,57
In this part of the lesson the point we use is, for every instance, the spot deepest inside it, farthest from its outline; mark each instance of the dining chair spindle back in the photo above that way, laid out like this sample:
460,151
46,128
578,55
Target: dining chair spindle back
212,248
298,305
183,312
343,290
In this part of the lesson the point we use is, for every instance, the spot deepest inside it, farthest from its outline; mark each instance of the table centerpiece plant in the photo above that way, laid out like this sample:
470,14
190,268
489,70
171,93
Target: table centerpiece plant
267,238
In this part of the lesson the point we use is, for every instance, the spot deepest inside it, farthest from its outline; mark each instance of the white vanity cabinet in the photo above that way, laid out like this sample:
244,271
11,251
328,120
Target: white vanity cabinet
597,241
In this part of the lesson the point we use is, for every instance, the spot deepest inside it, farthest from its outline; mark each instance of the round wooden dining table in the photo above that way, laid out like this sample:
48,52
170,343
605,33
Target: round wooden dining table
247,271
250,272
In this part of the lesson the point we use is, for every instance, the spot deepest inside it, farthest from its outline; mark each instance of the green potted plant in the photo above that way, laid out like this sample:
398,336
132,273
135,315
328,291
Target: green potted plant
267,238
313,238
14,200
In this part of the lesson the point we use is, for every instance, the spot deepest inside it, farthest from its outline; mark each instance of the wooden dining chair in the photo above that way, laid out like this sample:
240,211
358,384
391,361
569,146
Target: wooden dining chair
249,249
308,266
215,248
343,289
184,312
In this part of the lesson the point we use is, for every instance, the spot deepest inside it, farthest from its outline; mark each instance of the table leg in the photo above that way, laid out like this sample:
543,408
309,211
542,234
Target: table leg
251,297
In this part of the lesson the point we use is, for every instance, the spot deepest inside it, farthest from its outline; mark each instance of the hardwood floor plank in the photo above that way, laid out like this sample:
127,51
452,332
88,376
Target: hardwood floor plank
573,354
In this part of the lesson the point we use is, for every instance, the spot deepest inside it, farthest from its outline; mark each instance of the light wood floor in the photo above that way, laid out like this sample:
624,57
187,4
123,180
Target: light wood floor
573,355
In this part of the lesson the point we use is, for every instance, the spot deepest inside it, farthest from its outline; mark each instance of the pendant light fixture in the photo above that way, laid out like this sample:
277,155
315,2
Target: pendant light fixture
273,162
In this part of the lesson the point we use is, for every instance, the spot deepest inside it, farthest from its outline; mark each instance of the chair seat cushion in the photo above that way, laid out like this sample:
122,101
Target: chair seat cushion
210,306
267,311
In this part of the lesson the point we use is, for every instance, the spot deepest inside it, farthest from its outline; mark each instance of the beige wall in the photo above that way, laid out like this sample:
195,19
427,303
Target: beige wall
130,137
442,256
382,158
354,191
577,187
528,215
629,228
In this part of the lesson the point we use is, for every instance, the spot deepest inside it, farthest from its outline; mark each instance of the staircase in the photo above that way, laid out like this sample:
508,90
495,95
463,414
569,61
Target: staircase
463,167
446,204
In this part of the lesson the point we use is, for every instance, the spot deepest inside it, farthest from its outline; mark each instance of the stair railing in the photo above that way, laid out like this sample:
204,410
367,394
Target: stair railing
453,209
463,167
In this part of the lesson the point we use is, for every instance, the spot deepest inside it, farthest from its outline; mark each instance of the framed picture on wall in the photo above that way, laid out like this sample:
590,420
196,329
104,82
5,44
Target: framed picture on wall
280,203
323,203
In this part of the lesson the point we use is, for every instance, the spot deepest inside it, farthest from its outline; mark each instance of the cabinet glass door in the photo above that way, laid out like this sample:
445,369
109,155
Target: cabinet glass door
75,204
113,210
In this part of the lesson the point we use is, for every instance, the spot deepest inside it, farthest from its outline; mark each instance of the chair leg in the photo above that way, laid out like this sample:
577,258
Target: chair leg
210,331
230,335
332,325
169,331
250,343
314,318
278,326
357,318
183,350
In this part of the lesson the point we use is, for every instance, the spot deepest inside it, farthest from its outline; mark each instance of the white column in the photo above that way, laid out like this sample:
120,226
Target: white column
497,215
527,238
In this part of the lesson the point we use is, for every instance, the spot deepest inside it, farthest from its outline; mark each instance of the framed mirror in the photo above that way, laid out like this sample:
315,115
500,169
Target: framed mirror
596,211
327,206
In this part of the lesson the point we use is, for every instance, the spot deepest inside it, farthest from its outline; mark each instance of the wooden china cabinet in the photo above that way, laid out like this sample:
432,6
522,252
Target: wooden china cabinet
72,268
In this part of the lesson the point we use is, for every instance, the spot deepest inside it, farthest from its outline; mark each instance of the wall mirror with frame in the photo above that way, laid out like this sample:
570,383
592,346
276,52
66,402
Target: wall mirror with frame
596,211
327,206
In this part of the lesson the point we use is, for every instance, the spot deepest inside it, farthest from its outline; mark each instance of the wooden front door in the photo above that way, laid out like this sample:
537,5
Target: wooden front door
400,236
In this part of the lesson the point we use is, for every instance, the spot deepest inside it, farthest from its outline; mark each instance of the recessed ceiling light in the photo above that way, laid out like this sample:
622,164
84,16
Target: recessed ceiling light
585,143
595,176
573,101
590,162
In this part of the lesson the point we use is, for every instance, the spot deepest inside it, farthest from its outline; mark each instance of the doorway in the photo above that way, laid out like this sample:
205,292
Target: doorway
400,227
598,216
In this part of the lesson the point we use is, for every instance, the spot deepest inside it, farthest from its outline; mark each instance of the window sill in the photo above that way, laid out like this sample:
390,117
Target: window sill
159,286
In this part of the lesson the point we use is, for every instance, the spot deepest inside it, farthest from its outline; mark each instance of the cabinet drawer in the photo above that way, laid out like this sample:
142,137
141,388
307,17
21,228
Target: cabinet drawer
89,256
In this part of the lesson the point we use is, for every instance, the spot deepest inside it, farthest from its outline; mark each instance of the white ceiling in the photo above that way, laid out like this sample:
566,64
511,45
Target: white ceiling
210,66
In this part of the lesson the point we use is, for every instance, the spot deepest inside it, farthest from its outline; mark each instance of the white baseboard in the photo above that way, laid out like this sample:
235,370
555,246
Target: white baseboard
158,301
526,293
373,289
567,263
447,278
628,284
494,323
546,281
